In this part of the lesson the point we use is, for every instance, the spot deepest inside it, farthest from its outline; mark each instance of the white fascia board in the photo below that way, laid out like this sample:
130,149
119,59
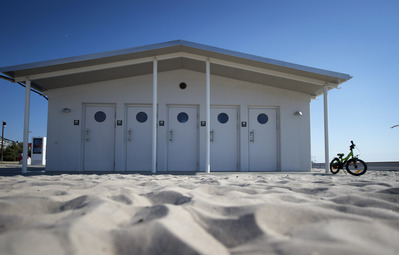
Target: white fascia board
171,56
269,72
255,69
337,75
97,67
85,69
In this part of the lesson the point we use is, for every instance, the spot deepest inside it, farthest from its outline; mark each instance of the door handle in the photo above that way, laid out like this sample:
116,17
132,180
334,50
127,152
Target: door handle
87,135
171,135
211,135
252,136
129,135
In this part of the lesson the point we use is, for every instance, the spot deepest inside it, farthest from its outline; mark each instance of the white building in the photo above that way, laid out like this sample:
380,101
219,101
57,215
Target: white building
177,106
7,142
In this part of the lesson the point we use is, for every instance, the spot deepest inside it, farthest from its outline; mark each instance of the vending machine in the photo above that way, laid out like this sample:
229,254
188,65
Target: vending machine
38,151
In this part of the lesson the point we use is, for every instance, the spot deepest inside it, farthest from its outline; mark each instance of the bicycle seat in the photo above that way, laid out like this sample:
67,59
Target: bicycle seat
340,155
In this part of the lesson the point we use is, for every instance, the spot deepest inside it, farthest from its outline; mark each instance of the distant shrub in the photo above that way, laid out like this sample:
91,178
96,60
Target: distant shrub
13,152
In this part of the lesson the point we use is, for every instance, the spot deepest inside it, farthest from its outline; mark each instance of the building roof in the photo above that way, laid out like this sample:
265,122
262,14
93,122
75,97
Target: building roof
7,142
72,71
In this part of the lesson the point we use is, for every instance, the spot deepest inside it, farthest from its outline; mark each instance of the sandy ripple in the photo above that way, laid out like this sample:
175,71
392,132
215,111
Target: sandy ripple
200,214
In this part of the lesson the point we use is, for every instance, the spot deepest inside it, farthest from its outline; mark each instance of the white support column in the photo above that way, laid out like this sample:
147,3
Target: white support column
208,116
326,145
154,115
26,127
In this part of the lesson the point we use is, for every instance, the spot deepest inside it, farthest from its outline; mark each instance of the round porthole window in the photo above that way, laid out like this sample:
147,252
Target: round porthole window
100,116
262,118
182,117
182,85
141,117
223,118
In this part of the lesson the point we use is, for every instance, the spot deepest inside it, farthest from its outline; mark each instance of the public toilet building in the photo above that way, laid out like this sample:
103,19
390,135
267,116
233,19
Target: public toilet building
176,106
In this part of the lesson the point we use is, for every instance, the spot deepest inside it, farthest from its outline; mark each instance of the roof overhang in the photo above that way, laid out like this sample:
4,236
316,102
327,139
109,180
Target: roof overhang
47,75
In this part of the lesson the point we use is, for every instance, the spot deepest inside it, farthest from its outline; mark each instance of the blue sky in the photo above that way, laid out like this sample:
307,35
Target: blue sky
359,38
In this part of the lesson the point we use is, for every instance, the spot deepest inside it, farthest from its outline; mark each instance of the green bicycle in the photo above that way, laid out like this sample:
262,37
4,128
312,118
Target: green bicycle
353,164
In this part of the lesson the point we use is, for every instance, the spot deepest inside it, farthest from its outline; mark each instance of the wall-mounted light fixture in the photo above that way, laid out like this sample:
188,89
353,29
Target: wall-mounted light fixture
298,113
66,110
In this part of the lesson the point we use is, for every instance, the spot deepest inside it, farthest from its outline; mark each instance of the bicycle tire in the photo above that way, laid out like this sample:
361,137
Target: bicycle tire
334,166
356,166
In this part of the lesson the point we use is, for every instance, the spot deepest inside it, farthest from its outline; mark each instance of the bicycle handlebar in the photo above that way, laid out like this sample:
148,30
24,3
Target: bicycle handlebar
352,145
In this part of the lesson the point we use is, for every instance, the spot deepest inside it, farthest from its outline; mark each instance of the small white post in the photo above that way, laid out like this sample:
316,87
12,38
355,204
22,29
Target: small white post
25,150
326,145
208,115
154,115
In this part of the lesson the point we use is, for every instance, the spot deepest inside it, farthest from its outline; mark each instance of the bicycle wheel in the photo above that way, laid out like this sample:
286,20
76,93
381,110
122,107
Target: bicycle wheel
334,166
356,166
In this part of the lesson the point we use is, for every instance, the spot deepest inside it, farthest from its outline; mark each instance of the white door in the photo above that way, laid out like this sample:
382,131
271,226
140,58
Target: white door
182,138
224,139
99,138
262,128
138,135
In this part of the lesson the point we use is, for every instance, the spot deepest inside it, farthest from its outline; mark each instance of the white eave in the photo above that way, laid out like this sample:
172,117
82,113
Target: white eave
52,74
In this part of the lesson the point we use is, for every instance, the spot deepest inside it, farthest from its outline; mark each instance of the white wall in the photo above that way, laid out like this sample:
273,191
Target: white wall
65,140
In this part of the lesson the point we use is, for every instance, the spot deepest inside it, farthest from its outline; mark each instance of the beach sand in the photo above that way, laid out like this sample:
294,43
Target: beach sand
223,213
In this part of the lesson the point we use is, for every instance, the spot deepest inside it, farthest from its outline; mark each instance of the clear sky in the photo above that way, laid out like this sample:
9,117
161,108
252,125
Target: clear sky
360,38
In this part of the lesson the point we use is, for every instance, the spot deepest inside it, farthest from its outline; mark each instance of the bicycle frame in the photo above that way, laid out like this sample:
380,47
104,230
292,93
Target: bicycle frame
350,155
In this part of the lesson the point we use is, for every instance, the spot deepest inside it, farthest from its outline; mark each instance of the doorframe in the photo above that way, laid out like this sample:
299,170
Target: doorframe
237,107
278,133
168,106
83,127
124,144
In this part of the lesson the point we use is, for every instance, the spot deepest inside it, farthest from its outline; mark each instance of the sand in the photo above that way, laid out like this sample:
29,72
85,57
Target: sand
233,213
